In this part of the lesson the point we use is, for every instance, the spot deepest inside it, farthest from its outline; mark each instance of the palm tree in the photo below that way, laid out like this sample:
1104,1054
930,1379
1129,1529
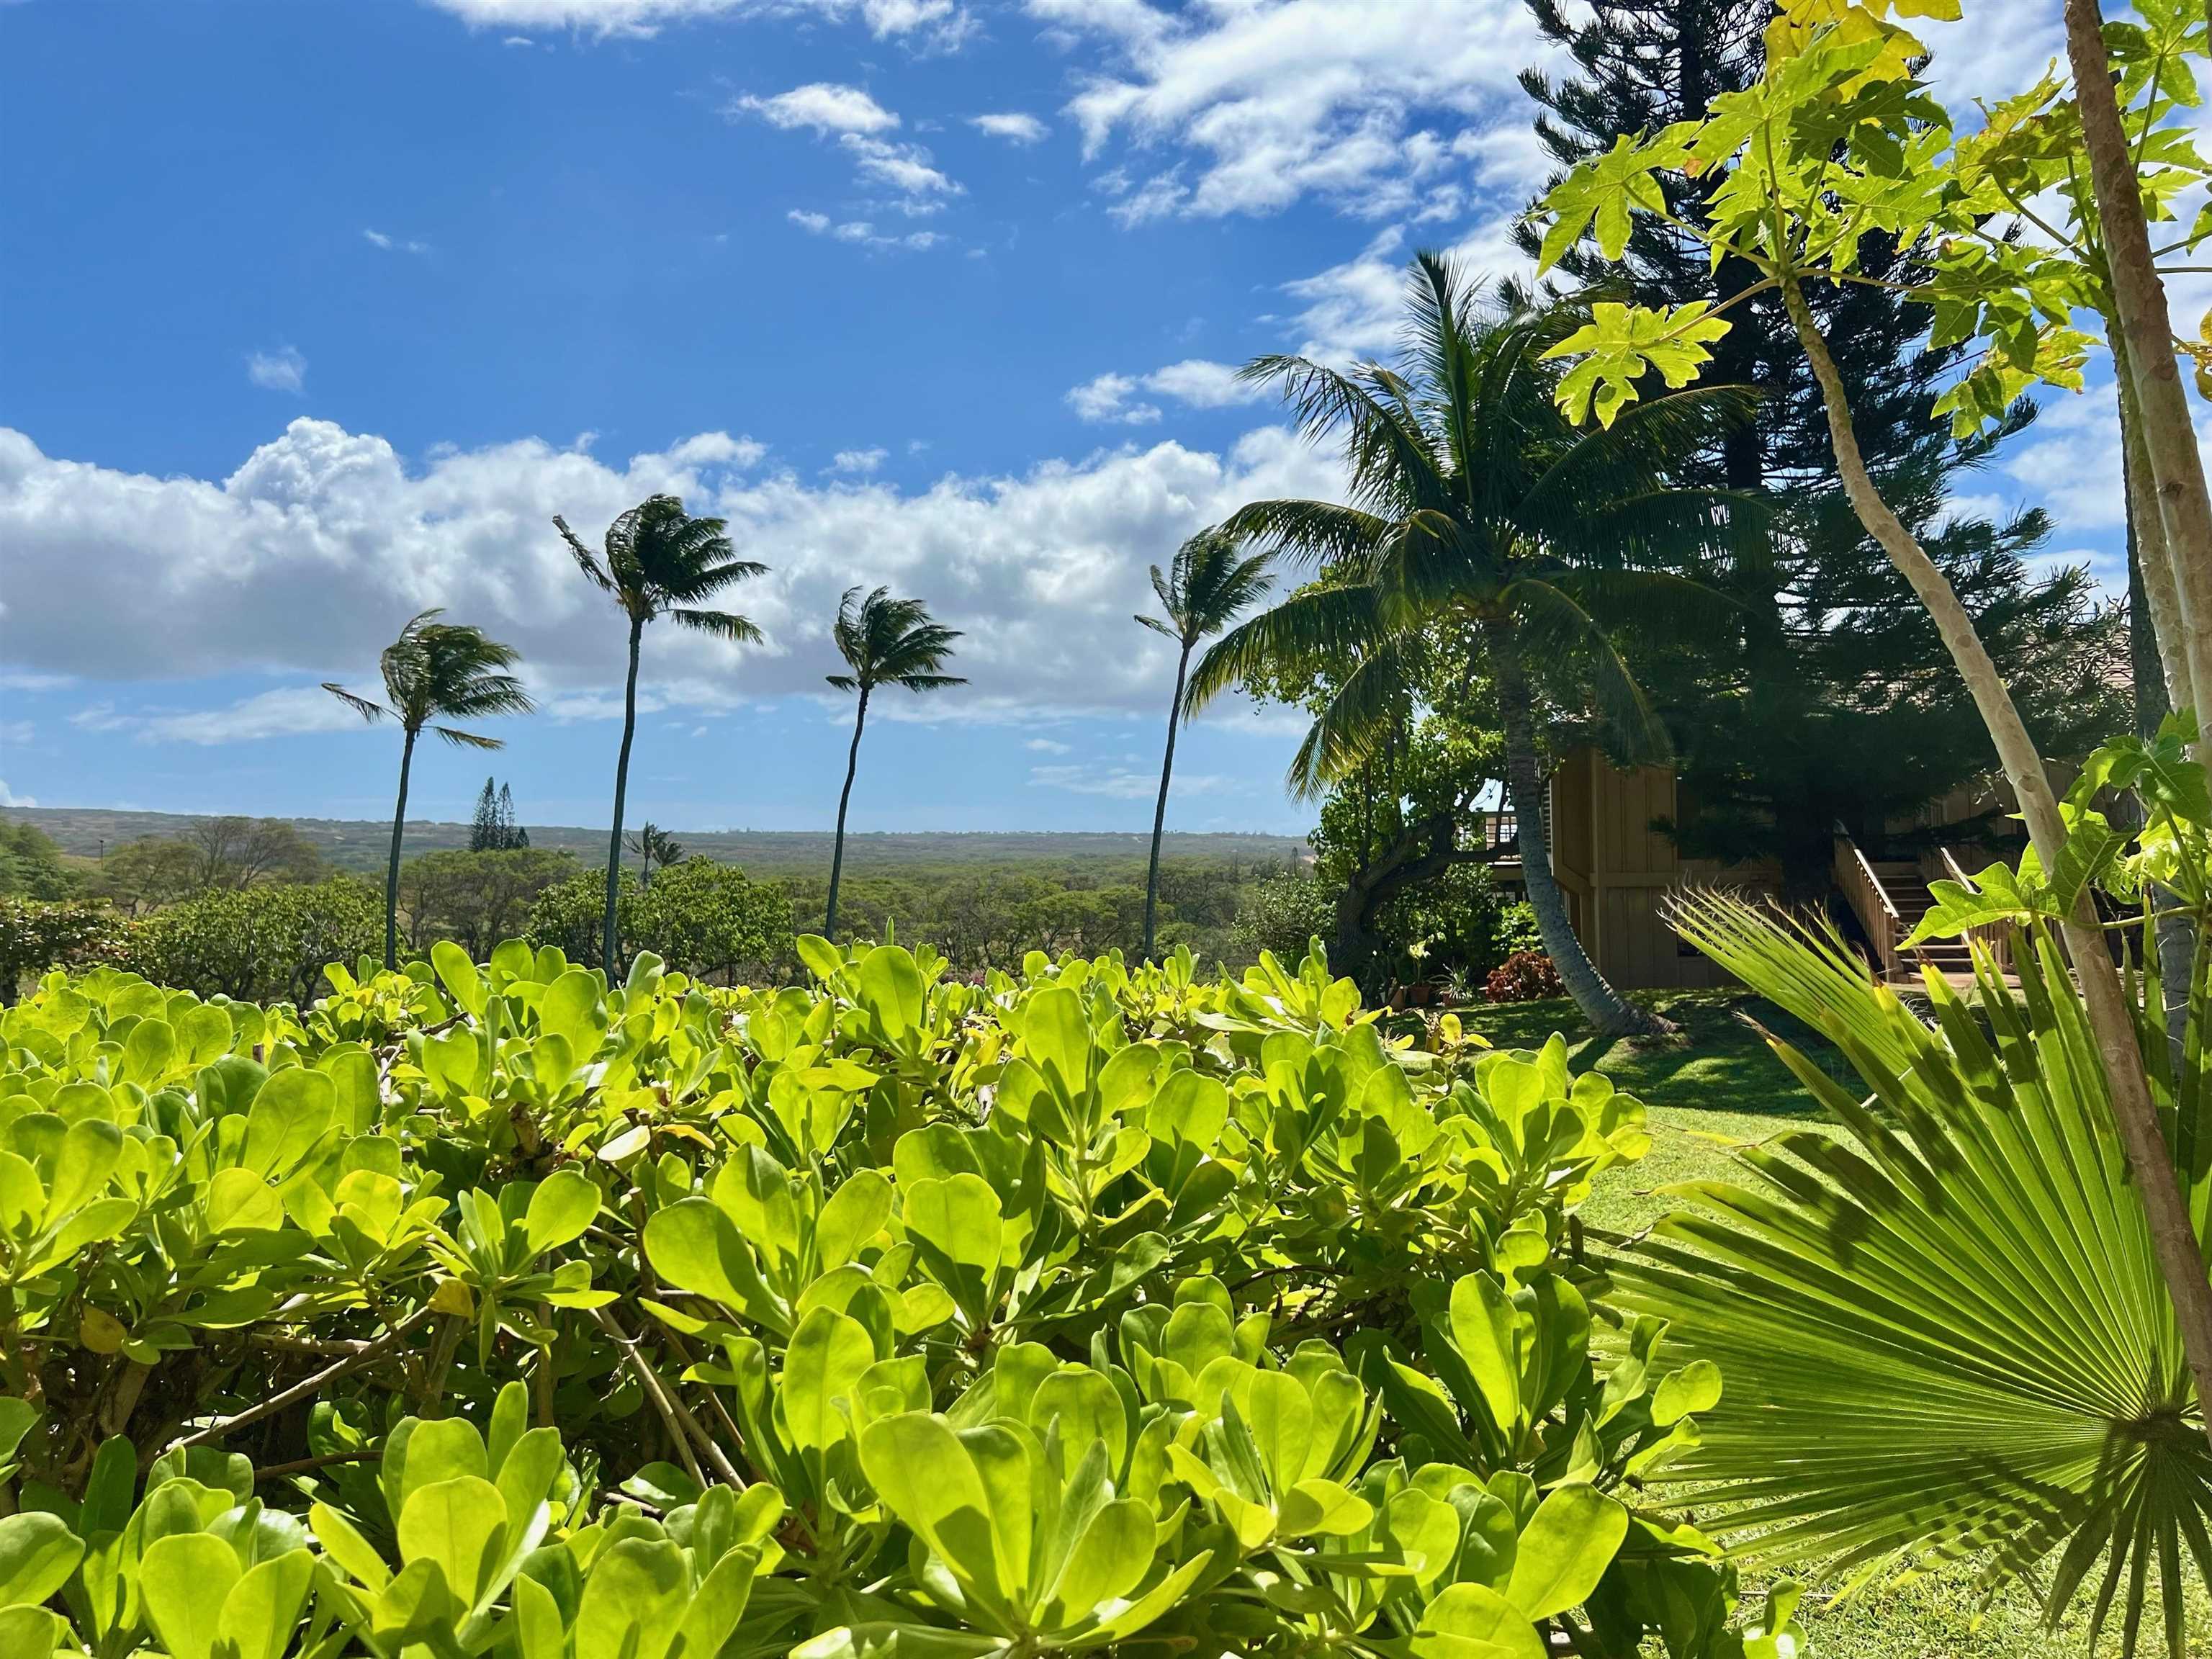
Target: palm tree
886,642
1473,502
657,561
654,845
1200,592
434,670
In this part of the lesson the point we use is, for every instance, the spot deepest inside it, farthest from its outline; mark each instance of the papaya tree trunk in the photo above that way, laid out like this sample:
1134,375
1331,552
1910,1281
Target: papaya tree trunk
2169,438
609,946
2147,540
392,870
844,799
2111,1020
1160,809
1608,1011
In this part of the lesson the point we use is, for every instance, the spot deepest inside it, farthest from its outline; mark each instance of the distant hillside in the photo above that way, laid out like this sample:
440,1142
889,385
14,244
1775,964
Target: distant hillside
354,844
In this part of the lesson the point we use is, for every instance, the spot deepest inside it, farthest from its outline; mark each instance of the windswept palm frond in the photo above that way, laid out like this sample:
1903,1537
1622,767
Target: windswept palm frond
890,642
1372,701
1551,620
1311,626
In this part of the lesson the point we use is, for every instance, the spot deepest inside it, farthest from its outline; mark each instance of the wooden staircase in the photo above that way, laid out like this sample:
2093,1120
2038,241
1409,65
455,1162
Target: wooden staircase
1889,897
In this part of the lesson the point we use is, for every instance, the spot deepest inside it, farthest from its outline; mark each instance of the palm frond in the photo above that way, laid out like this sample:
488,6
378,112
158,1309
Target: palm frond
586,561
467,739
722,624
1551,620
1314,535
1343,621
1352,726
924,682
1971,1255
371,712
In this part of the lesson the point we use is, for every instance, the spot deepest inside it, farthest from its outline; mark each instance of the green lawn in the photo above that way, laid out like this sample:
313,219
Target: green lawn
1719,1086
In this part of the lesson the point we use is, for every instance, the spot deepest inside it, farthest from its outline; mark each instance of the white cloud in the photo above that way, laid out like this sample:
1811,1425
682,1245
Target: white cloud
281,370
15,733
286,711
1013,127
1107,398
1357,309
1121,782
8,797
857,462
393,244
946,23
1278,100
1194,381
303,562
863,233
1047,746
903,168
821,107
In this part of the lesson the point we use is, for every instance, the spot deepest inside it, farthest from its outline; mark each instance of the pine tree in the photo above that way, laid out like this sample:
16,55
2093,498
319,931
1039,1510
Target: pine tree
512,835
483,827
1827,696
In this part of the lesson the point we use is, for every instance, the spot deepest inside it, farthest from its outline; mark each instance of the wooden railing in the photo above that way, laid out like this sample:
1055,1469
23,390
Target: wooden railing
1498,828
1870,903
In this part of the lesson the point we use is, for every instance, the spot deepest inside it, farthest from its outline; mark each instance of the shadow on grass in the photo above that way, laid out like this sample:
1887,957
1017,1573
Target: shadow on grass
1718,1063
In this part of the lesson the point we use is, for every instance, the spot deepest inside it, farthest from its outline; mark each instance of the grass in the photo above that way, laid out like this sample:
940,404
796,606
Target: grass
1720,1086
1717,1085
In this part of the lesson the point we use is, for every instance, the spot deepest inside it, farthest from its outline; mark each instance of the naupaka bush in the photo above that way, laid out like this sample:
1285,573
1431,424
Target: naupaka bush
495,1308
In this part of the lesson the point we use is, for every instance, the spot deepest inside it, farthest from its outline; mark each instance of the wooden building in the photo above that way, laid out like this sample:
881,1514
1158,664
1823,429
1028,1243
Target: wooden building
1616,872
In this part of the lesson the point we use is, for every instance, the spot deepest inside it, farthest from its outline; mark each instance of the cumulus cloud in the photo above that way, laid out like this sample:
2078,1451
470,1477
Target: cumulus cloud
281,370
945,22
8,797
1111,397
1344,99
1013,127
1194,382
857,463
830,109
303,562
821,107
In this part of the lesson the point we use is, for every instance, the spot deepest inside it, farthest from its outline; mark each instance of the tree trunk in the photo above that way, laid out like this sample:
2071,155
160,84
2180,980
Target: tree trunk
1608,1011
391,871
609,946
844,799
2169,438
1160,810
2111,1020
2149,555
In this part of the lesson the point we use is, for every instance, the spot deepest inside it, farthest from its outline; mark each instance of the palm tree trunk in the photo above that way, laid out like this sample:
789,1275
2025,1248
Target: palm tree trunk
1160,811
607,941
2169,438
391,871
2111,1017
1611,1013
844,799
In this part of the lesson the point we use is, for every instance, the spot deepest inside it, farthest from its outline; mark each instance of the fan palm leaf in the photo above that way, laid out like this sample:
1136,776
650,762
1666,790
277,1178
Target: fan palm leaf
1944,1332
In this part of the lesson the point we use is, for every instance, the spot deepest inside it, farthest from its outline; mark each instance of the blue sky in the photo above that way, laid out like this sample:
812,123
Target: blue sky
314,314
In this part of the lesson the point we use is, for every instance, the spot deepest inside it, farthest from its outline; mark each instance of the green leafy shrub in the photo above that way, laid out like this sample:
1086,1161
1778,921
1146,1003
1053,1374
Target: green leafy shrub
484,1309
263,943
35,936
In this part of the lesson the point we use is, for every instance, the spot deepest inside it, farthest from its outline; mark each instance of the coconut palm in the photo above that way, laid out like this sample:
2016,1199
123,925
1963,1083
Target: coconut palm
885,642
654,845
1200,592
1471,501
434,672
657,560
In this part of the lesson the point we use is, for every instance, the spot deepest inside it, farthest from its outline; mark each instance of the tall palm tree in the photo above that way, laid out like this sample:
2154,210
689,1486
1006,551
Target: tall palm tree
434,672
885,642
654,845
1472,500
657,560
1200,592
